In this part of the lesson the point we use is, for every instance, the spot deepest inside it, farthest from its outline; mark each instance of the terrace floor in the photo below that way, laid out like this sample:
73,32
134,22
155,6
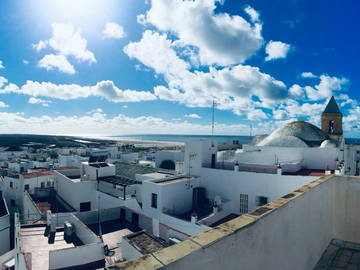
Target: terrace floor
112,233
34,241
340,255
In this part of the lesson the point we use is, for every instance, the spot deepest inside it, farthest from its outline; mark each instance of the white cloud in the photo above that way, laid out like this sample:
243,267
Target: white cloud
99,124
221,38
113,30
254,15
51,61
105,89
42,44
98,110
276,50
25,62
233,86
155,50
1,65
3,105
44,103
192,115
296,91
233,89
257,114
3,81
326,87
125,106
308,75
65,41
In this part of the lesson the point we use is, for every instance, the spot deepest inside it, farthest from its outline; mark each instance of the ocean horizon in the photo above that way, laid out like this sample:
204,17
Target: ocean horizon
181,138
221,139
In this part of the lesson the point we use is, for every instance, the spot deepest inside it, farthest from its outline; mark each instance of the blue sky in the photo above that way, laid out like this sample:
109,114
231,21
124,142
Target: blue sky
135,66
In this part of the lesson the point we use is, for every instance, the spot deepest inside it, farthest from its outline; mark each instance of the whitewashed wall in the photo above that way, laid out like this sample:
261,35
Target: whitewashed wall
76,192
230,184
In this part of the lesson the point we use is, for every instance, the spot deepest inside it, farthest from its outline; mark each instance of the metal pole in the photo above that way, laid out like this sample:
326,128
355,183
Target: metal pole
213,118
99,221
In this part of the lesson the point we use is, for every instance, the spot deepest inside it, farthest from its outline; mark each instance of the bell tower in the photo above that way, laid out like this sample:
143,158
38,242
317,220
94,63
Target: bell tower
331,120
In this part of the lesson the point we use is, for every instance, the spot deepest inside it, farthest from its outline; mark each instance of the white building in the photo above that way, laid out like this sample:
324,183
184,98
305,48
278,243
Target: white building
167,159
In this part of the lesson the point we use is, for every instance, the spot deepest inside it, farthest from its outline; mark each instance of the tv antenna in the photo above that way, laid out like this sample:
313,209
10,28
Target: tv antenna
213,117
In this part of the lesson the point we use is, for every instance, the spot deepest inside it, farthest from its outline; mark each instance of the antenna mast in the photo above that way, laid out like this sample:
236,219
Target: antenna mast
213,118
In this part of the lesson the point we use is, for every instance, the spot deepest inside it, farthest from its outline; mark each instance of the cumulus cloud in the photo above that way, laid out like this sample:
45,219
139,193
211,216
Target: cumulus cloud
155,50
326,87
221,38
276,50
308,75
113,30
254,15
3,104
257,114
44,103
40,45
232,86
65,41
1,65
51,61
192,115
296,91
99,124
3,81
105,89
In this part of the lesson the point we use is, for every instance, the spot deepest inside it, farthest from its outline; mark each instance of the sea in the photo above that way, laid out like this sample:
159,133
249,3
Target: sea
220,139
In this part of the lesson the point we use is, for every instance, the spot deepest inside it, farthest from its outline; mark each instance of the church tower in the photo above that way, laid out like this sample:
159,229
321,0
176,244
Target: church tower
331,120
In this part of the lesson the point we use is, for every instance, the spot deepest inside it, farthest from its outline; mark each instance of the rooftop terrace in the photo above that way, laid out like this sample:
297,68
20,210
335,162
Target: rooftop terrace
291,232
145,243
118,180
34,241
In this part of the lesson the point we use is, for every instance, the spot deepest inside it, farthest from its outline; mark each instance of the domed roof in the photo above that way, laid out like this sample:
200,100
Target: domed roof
287,141
329,144
308,134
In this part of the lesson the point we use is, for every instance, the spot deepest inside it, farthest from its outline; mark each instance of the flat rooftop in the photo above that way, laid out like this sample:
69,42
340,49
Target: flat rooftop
99,164
112,233
34,241
173,180
340,255
145,243
118,180
37,174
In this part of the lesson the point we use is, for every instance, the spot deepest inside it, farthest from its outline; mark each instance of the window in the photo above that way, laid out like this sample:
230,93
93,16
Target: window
244,203
331,127
11,184
27,187
153,200
261,200
85,206
42,184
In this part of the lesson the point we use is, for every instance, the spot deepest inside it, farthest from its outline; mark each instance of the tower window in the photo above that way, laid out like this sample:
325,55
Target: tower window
331,127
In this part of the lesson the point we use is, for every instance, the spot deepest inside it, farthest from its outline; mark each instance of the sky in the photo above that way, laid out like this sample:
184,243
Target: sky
112,67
